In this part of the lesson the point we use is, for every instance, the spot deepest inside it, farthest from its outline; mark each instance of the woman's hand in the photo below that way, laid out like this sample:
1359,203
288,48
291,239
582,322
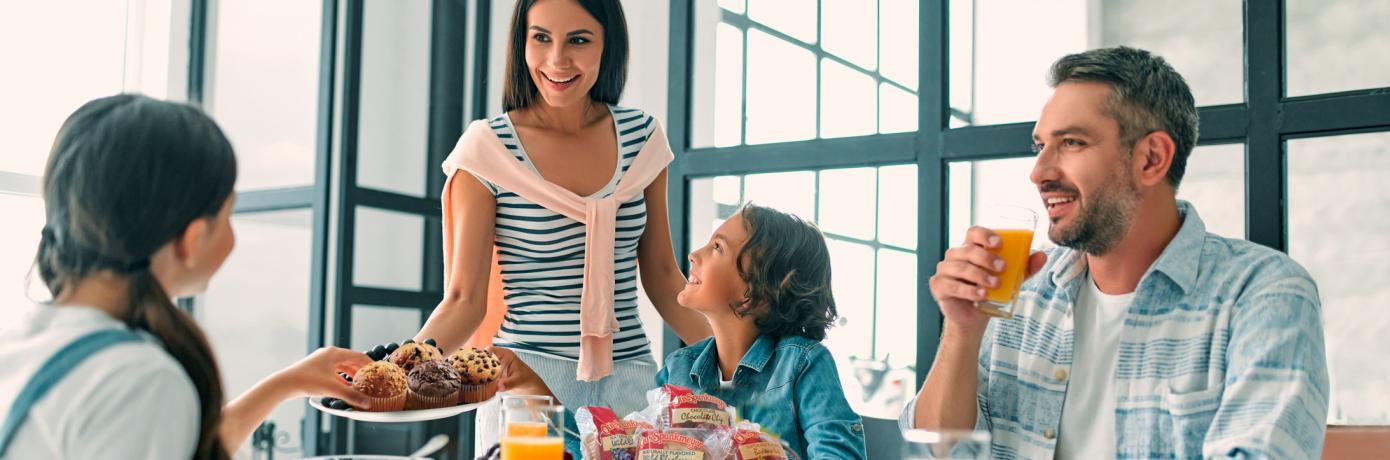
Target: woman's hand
517,377
317,375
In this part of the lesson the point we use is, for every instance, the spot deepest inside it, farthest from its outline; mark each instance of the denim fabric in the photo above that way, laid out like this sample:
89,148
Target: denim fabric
1221,356
788,385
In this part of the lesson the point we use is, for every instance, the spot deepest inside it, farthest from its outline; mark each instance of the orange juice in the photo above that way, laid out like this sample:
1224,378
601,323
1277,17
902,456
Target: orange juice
537,429
532,447
1014,246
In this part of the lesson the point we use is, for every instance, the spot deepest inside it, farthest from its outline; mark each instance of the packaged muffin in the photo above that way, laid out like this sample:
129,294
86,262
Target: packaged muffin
431,385
669,445
678,407
384,383
413,353
478,371
755,445
606,436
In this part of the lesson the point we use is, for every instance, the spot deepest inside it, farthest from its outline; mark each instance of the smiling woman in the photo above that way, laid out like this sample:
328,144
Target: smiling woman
561,172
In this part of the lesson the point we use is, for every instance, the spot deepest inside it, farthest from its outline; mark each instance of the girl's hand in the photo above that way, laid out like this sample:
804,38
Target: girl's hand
517,377
317,375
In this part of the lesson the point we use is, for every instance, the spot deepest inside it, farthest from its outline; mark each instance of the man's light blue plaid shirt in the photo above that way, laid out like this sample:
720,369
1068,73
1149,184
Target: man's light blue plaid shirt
1221,356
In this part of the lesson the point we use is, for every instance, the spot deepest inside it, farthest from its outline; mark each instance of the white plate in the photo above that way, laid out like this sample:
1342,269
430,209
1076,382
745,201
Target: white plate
402,416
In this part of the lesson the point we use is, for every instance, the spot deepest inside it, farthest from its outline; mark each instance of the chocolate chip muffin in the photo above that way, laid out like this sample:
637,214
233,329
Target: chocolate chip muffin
478,371
412,353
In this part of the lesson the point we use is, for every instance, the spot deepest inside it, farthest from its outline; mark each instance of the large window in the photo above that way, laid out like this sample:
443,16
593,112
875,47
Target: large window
784,78
55,59
1292,133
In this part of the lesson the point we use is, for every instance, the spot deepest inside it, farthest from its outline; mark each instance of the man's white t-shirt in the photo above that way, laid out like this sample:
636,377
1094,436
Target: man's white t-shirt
131,400
1088,413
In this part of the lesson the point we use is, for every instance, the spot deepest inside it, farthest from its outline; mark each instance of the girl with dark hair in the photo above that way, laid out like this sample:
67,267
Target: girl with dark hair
138,195
560,188
763,282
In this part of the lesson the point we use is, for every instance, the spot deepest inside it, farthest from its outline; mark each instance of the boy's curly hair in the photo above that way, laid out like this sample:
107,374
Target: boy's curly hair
786,265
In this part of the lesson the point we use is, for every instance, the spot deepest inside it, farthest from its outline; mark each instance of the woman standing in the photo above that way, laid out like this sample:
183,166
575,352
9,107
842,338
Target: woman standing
569,278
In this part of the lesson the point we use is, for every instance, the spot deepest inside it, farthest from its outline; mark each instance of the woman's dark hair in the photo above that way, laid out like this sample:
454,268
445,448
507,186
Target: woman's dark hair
127,175
786,266
518,89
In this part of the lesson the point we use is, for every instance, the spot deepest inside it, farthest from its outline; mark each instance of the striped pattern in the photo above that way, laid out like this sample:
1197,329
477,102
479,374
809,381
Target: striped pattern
541,254
1221,355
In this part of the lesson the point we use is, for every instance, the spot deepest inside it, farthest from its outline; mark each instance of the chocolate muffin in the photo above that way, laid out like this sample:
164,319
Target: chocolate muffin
432,384
478,371
413,353
384,383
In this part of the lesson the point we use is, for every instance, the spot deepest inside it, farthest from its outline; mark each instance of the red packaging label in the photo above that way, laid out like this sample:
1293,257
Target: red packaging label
752,445
689,410
660,445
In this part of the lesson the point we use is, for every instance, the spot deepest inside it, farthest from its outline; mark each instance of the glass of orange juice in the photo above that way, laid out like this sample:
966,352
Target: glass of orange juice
532,428
1015,226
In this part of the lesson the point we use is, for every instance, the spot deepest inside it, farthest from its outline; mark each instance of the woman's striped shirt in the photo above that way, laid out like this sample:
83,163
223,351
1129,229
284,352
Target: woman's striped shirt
541,254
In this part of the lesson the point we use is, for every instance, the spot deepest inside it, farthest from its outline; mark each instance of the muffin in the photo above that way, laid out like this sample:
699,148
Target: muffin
478,371
431,385
413,353
384,383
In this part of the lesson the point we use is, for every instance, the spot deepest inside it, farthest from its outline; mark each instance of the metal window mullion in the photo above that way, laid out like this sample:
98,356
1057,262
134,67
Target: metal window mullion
318,278
678,133
820,88
1264,150
932,212
347,196
482,56
197,49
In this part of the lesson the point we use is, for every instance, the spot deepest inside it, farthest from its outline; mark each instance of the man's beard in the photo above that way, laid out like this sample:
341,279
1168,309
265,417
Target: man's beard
1102,219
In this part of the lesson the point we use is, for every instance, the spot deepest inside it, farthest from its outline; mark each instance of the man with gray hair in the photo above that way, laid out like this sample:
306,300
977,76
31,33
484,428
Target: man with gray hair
1141,335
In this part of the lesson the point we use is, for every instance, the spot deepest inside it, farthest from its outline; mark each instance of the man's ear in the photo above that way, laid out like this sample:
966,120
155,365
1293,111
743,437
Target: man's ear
189,243
1153,157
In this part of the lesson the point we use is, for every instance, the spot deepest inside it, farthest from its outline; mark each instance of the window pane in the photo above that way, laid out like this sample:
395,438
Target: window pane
19,241
394,114
735,6
256,310
847,101
1339,225
781,90
388,249
897,35
897,110
754,81
989,183
790,192
846,23
1201,39
796,18
847,206
264,88
896,316
728,190
897,214
728,87
1215,184
852,338
1336,45
56,58
373,325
